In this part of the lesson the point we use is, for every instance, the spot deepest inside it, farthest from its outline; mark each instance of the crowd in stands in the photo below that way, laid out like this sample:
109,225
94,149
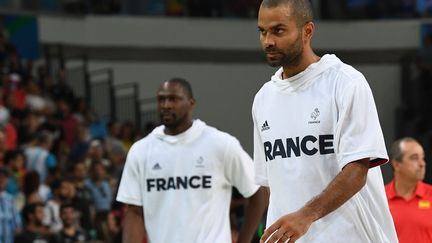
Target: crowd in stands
325,9
373,9
59,163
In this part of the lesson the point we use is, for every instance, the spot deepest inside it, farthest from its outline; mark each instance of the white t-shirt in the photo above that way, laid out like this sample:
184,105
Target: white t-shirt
184,183
306,129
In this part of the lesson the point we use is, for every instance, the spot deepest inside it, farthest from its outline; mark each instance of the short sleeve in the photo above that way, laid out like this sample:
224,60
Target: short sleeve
358,132
239,169
258,157
129,191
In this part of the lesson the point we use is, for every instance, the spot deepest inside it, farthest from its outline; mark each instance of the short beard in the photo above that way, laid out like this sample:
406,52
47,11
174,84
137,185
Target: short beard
291,58
175,123
287,61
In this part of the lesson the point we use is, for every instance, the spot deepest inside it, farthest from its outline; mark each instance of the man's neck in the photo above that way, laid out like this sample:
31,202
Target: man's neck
405,188
179,129
306,61
79,183
38,229
69,230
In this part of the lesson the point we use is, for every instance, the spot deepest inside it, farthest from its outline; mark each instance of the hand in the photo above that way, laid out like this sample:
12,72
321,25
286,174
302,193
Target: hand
288,228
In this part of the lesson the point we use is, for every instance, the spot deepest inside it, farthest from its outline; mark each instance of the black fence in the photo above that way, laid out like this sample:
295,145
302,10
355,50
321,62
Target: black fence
101,92
148,113
126,103
108,100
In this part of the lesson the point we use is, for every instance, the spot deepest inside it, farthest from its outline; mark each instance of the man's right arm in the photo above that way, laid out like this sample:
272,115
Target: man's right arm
133,228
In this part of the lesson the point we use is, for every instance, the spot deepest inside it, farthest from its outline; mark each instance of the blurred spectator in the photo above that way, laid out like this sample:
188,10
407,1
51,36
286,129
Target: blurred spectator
34,190
34,230
61,90
70,233
63,192
119,213
34,100
95,154
108,230
175,8
83,201
204,8
424,8
127,135
15,165
75,6
9,129
113,143
67,121
15,93
39,157
81,146
100,188
2,146
10,221
82,112
105,6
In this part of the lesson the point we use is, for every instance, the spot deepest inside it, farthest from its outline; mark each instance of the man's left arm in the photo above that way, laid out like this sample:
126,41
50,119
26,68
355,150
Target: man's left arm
254,211
348,182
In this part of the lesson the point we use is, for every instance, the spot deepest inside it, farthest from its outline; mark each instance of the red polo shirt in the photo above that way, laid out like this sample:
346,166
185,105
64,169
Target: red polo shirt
412,217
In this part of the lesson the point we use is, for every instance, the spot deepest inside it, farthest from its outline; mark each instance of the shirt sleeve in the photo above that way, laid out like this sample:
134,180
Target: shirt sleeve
258,157
239,169
129,191
358,132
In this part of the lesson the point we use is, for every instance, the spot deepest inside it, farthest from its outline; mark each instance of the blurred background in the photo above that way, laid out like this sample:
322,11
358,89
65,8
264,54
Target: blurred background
87,71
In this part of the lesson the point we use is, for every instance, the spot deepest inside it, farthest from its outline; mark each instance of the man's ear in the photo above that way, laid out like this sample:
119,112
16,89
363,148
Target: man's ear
395,164
192,101
308,31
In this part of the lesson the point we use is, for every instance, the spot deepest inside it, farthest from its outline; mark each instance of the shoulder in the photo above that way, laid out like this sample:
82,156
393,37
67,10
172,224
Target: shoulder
267,87
143,143
260,96
218,135
427,188
346,75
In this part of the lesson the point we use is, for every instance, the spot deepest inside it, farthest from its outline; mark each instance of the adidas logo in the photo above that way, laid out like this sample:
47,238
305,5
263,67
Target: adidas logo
265,126
157,167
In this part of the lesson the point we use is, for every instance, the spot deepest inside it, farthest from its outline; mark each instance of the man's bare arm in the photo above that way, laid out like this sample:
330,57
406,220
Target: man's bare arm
133,228
347,183
255,208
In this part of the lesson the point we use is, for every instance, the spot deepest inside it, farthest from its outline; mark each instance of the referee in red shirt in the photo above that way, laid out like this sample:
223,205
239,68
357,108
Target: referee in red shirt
409,198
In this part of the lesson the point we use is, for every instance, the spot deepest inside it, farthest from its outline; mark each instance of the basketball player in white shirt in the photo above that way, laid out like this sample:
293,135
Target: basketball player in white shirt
317,139
177,181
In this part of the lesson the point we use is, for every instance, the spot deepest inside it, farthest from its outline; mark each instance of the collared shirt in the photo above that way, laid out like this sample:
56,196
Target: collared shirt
101,194
412,217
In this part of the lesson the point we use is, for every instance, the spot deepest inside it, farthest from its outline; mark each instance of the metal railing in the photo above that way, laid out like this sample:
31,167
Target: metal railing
101,92
126,103
108,100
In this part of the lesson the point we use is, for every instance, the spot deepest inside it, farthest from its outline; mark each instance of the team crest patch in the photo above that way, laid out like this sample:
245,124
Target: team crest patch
314,116
199,162
424,204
